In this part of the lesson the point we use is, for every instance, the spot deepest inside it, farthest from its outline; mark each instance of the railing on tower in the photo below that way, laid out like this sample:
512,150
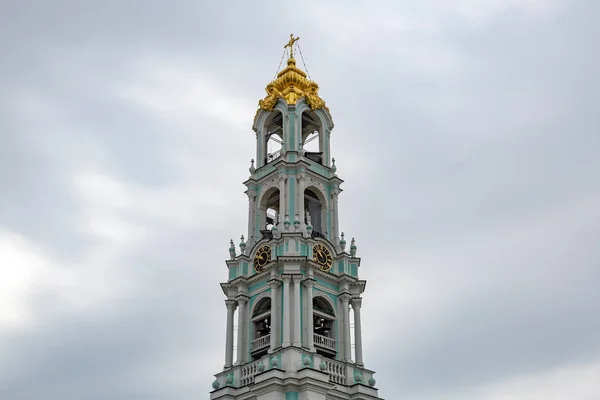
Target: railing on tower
273,156
261,342
266,234
247,374
315,234
324,341
337,371
314,156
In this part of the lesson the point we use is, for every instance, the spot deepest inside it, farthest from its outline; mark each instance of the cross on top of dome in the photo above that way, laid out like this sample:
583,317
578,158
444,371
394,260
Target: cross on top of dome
292,84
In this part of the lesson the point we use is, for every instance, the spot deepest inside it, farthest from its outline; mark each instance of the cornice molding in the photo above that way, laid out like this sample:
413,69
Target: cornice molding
295,259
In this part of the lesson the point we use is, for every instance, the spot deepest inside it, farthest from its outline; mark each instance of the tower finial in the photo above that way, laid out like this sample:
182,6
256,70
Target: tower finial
290,44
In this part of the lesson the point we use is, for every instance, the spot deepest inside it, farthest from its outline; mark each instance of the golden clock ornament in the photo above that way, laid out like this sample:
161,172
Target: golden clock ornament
262,258
322,256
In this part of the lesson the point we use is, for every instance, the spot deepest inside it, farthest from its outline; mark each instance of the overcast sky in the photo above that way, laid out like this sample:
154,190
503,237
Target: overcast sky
467,133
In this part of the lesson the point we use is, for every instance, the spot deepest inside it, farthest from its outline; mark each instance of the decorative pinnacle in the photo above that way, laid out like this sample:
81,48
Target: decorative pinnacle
252,169
333,167
290,44
231,249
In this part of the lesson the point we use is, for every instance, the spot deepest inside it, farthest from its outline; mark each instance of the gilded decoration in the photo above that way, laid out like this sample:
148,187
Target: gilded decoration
292,84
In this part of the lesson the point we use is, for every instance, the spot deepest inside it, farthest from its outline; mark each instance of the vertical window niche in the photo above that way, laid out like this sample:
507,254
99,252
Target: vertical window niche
312,140
324,328
261,328
314,205
268,211
273,137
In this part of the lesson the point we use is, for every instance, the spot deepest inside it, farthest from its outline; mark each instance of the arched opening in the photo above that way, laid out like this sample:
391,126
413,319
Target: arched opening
273,137
324,326
312,140
261,328
314,205
269,211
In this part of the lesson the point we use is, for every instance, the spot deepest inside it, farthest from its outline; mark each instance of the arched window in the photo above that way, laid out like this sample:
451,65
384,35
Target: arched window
312,140
269,210
263,306
323,306
273,137
261,324
324,327
314,205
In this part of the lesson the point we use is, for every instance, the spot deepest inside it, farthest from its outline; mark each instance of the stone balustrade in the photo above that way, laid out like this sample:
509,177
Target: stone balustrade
261,342
247,373
340,372
336,371
324,341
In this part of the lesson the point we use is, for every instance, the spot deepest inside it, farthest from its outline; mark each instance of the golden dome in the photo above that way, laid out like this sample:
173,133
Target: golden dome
292,84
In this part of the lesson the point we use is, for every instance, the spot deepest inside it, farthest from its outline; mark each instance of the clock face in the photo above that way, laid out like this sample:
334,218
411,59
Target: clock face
322,256
262,258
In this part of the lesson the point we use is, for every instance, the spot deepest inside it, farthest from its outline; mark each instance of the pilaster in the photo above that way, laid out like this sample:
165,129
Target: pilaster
309,323
251,218
297,341
282,198
274,285
286,310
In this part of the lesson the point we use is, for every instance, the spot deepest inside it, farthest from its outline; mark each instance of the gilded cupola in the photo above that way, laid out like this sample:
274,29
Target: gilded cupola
292,84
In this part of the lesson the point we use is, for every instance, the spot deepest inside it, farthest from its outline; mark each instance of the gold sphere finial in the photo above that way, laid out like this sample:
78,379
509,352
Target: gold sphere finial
290,44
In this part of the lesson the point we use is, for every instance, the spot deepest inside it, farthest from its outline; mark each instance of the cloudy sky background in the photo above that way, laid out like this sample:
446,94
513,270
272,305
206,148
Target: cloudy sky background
467,132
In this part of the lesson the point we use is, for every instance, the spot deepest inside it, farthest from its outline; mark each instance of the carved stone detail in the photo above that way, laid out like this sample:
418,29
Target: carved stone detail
356,302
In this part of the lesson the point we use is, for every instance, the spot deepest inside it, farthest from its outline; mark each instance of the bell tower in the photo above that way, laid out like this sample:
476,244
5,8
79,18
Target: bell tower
294,279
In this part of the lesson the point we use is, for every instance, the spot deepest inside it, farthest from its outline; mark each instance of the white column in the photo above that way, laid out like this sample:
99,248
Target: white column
231,305
309,283
282,197
345,298
273,284
336,226
286,310
300,201
356,304
251,217
297,310
241,354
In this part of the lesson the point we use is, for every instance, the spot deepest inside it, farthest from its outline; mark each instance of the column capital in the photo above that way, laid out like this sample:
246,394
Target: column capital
356,302
274,283
308,282
345,297
297,278
286,278
231,304
241,300
251,193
